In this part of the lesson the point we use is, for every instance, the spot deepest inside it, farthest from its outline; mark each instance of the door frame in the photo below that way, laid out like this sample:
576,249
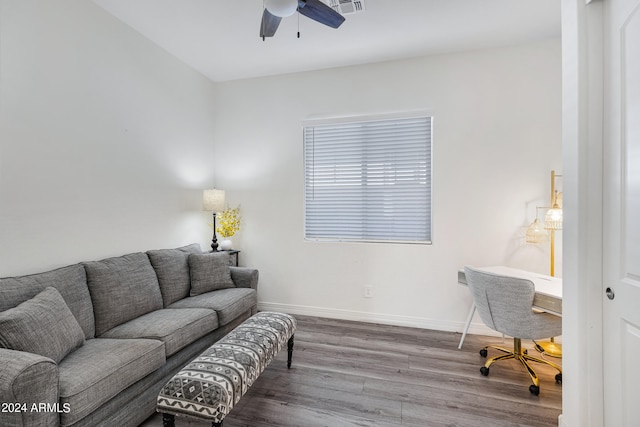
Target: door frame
582,146
582,257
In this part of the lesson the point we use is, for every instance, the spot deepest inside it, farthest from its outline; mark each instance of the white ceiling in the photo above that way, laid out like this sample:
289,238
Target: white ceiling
220,37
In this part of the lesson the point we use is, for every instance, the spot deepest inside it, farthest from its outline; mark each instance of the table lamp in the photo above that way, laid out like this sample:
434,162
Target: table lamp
213,201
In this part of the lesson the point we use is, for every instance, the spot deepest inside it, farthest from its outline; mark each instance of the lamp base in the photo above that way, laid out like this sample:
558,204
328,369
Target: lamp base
214,241
550,348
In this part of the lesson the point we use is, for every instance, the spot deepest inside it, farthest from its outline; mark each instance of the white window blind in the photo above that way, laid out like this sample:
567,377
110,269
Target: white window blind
369,180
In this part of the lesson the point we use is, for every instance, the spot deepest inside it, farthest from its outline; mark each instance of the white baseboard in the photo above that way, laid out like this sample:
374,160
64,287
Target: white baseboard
561,422
385,319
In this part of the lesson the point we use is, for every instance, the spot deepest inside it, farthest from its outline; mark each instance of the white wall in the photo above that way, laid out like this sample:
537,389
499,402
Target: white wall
106,141
497,136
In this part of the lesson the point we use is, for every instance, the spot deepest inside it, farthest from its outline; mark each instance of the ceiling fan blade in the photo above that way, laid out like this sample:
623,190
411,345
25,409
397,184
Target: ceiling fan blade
269,24
320,12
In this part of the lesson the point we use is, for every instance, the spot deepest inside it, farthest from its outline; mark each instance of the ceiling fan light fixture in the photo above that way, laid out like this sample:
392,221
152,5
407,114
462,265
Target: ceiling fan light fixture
281,8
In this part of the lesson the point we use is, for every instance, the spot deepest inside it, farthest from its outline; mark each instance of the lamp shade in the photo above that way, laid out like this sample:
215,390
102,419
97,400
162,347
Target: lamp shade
536,232
213,200
282,8
553,218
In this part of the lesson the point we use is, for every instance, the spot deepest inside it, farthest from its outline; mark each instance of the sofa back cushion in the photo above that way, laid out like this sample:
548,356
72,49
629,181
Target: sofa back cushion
122,288
172,269
71,283
209,272
42,325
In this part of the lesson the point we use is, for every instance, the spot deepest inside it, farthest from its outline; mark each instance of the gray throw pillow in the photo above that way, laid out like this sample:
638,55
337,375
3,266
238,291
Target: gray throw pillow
209,272
172,269
43,325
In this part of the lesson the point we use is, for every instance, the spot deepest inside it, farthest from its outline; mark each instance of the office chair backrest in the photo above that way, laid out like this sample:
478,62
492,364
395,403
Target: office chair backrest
504,303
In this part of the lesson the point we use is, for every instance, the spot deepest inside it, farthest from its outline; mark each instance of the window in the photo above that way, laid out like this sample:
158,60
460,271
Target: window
368,180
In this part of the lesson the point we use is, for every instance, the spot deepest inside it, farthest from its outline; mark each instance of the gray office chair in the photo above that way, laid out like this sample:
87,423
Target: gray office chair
505,305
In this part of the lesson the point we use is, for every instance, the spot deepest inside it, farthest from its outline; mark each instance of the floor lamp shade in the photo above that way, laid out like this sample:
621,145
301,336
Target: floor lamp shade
213,200
553,218
536,232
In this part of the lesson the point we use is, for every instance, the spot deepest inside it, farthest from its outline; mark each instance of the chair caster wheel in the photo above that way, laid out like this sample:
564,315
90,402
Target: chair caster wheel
483,352
534,389
525,351
559,378
484,371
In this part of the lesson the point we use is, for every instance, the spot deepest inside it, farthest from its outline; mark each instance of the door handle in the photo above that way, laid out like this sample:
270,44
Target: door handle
610,293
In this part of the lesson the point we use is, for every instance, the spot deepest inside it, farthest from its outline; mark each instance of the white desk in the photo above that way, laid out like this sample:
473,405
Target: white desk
548,296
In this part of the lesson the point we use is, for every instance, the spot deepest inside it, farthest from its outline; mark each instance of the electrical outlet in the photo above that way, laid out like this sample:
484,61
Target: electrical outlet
368,291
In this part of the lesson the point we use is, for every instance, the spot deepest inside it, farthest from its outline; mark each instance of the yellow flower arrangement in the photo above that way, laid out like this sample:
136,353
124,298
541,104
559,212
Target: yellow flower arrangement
228,222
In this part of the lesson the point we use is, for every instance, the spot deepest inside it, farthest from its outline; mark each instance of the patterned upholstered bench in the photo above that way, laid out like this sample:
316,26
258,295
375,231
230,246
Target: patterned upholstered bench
209,386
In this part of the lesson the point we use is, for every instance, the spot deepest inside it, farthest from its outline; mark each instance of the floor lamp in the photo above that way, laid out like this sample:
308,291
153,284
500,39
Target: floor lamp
552,222
213,201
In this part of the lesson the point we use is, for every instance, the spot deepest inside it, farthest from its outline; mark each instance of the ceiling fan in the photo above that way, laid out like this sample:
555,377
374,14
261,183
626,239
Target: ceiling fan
275,10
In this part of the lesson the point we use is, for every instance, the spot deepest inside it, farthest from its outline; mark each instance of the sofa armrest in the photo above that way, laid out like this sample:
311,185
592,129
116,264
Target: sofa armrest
27,379
244,277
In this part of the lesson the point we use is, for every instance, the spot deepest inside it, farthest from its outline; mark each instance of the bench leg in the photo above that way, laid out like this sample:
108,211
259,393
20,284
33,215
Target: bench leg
290,351
168,420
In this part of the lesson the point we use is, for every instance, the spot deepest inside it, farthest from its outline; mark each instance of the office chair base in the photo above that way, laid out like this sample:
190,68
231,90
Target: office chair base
521,355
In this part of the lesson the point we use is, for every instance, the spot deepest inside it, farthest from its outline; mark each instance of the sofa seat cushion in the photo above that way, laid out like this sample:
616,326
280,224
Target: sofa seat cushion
228,303
70,281
43,325
172,269
176,328
101,369
122,288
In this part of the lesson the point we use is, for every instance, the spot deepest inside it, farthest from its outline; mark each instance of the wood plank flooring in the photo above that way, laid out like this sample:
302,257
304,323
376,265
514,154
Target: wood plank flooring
361,374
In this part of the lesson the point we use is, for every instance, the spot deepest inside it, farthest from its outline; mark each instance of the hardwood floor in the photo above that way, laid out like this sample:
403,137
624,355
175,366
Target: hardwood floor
361,374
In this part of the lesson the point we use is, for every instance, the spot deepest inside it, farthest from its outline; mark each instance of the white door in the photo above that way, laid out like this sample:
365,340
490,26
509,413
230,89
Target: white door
621,306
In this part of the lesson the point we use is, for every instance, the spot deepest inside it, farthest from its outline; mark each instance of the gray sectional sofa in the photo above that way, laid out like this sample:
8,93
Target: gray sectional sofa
92,344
